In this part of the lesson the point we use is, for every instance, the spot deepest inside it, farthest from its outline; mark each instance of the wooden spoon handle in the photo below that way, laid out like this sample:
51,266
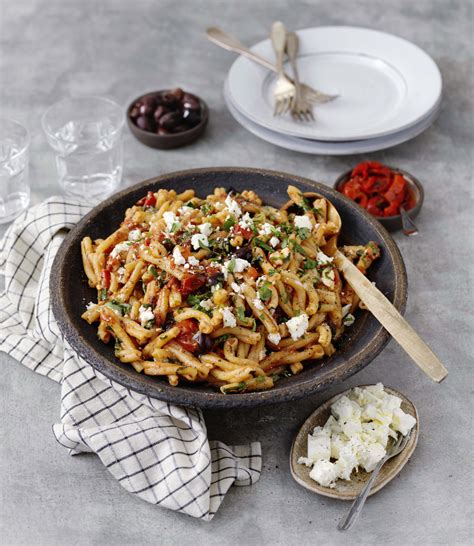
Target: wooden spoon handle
391,320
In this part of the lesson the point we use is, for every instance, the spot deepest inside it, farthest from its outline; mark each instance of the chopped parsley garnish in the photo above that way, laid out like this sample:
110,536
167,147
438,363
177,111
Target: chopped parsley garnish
221,339
231,266
241,313
272,272
118,307
297,247
303,233
153,271
264,292
102,294
206,208
227,225
175,226
262,244
191,205
310,264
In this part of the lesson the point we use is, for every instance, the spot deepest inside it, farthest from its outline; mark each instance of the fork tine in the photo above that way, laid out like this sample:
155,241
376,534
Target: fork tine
278,107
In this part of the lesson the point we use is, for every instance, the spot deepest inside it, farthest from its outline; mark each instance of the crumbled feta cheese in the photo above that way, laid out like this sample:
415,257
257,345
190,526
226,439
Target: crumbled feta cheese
145,314
185,209
303,222
325,473
179,259
323,259
327,277
186,266
235,287
205,229
356,434
228,318
134,235
348,320
90,305
345,309
121,247
297,326
274,241
170,219
239,264
285,252
207,304
274,338
233,206
193,261
246,221
258,303
266,229
199,239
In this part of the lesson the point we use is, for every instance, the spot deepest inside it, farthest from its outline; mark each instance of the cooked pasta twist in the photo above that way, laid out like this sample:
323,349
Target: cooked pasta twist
223,290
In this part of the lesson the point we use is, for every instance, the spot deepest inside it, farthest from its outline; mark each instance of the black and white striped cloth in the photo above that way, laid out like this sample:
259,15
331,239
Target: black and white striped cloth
155,450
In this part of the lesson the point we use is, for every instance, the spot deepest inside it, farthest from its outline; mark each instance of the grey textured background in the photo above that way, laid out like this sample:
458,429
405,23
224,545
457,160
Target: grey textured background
50,48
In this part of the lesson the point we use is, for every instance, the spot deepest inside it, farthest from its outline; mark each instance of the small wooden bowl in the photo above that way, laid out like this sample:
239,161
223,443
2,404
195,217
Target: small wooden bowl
349,490
394,223
167,142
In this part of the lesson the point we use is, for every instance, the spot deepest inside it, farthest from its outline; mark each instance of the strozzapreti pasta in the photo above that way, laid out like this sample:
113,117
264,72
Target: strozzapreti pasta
224,290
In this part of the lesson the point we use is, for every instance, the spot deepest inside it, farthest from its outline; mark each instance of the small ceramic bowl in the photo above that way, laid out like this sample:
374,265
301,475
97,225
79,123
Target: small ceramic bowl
394,223
172,140
349,490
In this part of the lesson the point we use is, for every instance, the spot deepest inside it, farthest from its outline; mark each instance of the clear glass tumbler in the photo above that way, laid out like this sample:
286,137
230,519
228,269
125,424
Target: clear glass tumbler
14,185
86,133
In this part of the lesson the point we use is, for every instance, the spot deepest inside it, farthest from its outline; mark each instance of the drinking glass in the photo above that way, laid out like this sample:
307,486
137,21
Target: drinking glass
14,185
86,133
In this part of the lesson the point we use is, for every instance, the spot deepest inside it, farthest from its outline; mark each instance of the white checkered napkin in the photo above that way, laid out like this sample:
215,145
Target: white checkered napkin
155,450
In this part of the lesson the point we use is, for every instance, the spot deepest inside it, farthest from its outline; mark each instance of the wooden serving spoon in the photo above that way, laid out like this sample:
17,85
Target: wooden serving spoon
384,311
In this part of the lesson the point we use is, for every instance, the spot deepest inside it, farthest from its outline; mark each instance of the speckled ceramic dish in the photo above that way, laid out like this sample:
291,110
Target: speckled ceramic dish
348,490
357,348
394,223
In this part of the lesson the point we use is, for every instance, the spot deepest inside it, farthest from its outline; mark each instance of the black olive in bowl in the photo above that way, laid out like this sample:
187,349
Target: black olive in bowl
168,118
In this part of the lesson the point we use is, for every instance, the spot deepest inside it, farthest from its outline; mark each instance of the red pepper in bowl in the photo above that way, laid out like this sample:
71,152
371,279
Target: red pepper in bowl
378,189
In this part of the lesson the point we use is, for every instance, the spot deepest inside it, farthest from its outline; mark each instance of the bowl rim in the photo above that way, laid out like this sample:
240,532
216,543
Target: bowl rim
411,180
170,136
208,399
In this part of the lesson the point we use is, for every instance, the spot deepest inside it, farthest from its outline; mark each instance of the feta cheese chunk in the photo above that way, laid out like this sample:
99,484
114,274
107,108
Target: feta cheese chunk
134,235
236,265
274,241
178,258
145,314
258,303
266,229
235,287
199,239
120,247
207,304
274,338
325,473
170,219
205,229
193,261
323,258
303,222
233,206
297,326
228,317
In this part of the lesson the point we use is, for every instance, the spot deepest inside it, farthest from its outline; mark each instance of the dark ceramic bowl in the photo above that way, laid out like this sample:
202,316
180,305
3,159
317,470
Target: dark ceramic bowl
394,223
167,142
357,348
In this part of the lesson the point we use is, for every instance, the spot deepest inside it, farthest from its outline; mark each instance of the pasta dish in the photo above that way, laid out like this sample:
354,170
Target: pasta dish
223,290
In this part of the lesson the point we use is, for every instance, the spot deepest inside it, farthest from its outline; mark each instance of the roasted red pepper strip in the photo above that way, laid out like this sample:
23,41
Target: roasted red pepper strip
190,283
148,201
376,205
396,191
188,328
106,278
353,190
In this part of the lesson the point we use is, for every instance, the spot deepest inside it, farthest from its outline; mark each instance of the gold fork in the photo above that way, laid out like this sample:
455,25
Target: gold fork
284,91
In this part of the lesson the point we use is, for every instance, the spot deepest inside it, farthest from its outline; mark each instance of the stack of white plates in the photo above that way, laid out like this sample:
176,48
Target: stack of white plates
389,92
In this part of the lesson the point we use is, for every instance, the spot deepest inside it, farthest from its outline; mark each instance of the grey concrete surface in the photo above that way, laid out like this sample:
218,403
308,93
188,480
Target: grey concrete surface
49,48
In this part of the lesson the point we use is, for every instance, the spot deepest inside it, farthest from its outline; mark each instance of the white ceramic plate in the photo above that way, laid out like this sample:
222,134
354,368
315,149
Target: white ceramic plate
385,83
317,147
